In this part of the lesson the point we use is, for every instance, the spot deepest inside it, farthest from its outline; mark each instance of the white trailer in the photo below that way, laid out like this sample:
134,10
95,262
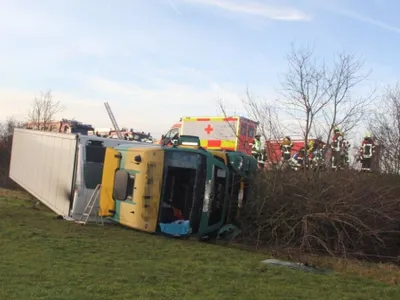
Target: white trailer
60,170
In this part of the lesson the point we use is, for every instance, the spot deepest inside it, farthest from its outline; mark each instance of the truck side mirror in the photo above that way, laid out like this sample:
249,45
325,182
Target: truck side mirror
162,137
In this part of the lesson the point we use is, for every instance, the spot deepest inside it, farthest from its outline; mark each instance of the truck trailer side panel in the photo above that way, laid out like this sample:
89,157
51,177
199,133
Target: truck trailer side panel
43,164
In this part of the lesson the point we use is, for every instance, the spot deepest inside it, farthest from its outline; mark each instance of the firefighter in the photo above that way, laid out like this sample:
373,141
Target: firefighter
367,151
337,148
312,145
346,149
256,147
298,159
315,148
337,136
286,148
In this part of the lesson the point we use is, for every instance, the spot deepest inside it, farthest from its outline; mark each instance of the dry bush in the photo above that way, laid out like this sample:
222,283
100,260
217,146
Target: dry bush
343,214
6,131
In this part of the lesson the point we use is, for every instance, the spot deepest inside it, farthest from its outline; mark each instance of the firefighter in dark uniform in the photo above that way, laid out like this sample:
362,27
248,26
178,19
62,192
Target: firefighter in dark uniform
367,151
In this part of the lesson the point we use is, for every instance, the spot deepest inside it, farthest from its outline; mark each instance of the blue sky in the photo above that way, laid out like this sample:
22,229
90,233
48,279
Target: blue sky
157,60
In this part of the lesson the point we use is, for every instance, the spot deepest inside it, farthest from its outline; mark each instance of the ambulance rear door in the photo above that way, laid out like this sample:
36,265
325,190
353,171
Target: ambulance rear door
215,133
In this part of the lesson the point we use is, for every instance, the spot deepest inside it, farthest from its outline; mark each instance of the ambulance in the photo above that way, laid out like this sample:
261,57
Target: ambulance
215,133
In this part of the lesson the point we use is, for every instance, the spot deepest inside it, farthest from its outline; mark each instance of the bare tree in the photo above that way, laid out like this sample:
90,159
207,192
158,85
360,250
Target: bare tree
317,96
344,110
305,89
385,128
265,113
43,110
7,128
261,111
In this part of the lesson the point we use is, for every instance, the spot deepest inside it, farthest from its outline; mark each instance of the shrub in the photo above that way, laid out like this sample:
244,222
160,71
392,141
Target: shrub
6,131
342,213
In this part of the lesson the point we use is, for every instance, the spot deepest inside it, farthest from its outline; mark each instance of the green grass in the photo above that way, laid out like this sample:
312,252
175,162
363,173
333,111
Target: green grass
45,258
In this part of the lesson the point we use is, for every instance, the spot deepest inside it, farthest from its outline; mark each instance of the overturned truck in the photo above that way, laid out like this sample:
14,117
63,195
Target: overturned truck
61,170
181,190
178,191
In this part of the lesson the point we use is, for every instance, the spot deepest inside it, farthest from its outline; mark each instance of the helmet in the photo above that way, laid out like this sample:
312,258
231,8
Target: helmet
336,129
257,135
367,135
288,138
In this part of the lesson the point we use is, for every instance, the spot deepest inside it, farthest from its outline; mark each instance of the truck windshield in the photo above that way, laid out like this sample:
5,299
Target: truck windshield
93,165
183,189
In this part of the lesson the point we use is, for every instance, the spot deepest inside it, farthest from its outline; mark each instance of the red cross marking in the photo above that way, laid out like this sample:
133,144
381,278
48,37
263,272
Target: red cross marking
208,129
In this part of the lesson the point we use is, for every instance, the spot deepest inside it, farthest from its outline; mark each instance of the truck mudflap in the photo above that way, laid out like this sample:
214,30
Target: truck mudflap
111,164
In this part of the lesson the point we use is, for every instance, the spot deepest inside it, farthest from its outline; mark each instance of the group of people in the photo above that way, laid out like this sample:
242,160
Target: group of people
314,155
340,150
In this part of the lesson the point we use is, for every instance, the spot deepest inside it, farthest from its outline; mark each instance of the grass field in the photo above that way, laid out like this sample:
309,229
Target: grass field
45,258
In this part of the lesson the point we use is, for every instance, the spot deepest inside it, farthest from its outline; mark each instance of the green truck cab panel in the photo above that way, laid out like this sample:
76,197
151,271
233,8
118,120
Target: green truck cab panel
243,164
200,190
154,189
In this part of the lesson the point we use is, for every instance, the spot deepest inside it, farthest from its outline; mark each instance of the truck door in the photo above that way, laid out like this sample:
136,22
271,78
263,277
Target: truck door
170,137
216,198
111,165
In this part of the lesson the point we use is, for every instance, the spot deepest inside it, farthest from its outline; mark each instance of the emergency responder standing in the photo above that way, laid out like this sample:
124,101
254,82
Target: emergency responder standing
256,147
337,145
315,149
367,152
345,150
286,148
297,161
311,149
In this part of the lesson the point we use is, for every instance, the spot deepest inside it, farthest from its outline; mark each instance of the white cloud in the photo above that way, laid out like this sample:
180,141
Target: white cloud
50,35
148,109
173,6
272,12
340,9
19,20
368,20
16,103
173,95
167,101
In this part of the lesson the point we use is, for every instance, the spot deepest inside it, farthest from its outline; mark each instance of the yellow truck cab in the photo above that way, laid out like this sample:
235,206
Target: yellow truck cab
172,190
